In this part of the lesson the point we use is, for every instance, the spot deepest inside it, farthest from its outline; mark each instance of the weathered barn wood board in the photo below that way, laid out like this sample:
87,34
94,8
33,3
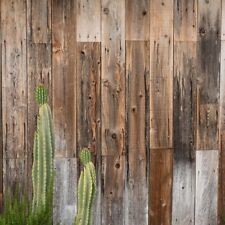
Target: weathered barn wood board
88,20
65,191
113,111
185,20
137,142
63,81
88,107
208,50
137,19
161,169
14,90
161,73
206,187
184,133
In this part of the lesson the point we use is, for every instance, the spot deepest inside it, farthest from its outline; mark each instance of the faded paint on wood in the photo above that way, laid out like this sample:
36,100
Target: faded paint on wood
161,74
88,108
184,105
65,191
137,19
206,187
208,50
88,20
137,126
64,79
113,111
161,169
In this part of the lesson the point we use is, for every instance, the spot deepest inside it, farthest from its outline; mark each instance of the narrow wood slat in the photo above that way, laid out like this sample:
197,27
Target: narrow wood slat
137,19
89,20
113,110
223,21
161,72
208,53
185,20
64,70
89,109
206,187
65,191
14,90
137,126
161,169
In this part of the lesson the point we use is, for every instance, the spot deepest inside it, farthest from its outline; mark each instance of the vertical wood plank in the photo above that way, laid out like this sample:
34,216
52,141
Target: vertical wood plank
65,191
64,79
89,109
206,187
184,105
161,73
137,103
208,53
137,19
89,20
1,123
113,111
223,21
14,90
161,169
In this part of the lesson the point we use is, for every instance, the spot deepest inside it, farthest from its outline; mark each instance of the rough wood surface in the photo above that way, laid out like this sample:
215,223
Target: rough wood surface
88,20
161,169
113,111
137,124
208,60
206,187
64,70
137,19
65,191
161,74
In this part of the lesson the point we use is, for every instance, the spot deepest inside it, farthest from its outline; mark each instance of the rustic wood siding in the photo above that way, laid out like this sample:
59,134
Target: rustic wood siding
139,82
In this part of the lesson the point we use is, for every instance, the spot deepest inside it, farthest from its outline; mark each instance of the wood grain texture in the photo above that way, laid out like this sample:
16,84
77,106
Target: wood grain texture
113,111
161,169
208,53
206,187
223,21
88,20
64,79
161,74
185,20
137,124
137,19
184,106
65,191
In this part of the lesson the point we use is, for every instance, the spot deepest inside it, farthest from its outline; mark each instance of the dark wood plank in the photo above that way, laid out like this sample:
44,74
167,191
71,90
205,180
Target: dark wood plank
161,169
137,126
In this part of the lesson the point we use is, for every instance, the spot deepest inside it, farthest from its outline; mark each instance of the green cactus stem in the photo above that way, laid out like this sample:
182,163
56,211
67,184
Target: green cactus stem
86,190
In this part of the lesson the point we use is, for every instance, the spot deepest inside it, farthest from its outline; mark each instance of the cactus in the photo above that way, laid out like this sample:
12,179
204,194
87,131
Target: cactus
86,190
43,153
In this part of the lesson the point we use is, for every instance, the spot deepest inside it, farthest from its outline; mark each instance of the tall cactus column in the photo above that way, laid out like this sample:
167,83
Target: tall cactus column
43,153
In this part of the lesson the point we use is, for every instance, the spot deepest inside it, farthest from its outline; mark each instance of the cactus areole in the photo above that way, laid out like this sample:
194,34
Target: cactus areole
43,153
86,190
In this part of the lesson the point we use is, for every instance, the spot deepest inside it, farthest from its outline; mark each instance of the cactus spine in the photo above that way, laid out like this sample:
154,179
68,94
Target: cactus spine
43,153
86,190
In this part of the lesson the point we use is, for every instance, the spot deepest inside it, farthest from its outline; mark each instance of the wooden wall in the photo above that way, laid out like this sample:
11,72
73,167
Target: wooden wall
139,82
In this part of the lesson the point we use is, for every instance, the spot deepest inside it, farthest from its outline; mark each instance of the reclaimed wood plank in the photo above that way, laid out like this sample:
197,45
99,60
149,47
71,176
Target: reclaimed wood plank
113,111
64,79
89,109
184,105
161,169
88,20
137,19
14,91
185,20
208,55
137,126
65,191
161,74
206,187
